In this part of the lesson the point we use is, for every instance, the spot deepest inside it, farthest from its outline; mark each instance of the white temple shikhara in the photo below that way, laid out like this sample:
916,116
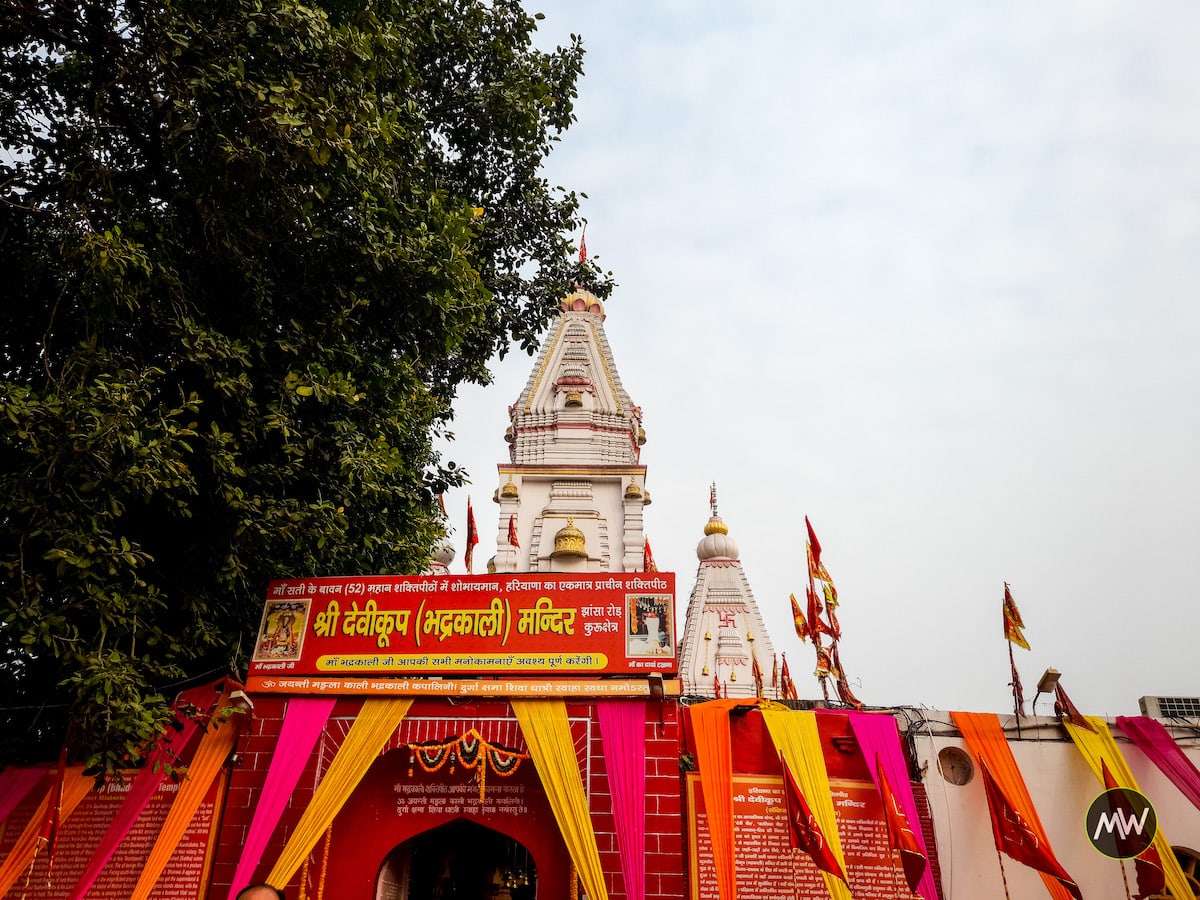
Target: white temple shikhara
572,497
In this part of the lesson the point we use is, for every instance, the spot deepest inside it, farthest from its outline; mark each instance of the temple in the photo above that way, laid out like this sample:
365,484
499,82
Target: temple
550,731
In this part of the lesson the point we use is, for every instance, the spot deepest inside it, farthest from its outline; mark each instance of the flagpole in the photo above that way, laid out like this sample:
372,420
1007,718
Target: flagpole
1125,879
1016,690
1003,877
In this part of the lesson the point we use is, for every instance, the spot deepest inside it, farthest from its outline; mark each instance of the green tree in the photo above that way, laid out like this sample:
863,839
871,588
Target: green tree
250,248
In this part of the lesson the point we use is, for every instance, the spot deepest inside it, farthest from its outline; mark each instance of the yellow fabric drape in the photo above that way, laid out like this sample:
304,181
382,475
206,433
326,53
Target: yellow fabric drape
794,733
211,753
714,756
75,787
548,736
1100,746
986,739
372,727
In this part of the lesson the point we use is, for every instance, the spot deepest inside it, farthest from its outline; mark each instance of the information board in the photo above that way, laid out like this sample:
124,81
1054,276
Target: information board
768,869
508,626
185,876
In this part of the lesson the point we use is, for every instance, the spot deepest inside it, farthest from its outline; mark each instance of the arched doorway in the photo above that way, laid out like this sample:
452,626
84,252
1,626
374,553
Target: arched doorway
461,860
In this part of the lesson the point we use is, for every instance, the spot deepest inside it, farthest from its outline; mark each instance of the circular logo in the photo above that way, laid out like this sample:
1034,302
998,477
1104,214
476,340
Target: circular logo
1121,823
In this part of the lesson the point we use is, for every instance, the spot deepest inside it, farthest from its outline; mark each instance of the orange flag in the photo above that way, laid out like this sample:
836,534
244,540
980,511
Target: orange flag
472,539
512,531
900,833
799,621
648,564
803,831
1012,621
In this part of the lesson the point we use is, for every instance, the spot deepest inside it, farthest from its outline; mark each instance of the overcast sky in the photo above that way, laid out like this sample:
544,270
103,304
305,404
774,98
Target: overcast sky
928,274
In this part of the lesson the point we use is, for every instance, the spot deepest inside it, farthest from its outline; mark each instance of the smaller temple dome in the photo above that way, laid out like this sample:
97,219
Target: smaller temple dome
717,544
569,541
583,301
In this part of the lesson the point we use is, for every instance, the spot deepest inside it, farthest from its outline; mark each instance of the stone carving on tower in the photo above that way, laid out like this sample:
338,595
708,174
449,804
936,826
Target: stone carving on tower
572,494
723,633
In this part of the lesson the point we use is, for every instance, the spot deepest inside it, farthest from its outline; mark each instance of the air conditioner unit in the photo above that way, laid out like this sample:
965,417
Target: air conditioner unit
1170,707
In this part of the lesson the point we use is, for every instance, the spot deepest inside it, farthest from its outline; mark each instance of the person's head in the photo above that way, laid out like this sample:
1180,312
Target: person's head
260,892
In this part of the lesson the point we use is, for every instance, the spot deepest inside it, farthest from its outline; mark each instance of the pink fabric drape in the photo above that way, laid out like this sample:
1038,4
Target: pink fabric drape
15,784
302,724
877,736
1156,742
623,733
147,780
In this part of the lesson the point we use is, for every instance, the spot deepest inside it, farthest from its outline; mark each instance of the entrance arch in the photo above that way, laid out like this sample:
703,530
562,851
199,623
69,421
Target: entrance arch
460,860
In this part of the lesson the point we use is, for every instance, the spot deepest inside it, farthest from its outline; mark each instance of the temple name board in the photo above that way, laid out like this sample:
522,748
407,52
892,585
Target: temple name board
525,624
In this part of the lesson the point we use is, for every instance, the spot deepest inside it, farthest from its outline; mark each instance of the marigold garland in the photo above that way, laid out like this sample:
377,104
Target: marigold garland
468,749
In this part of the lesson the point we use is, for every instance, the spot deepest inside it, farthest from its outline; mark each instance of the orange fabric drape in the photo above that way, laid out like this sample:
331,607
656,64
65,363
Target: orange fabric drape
1098,750
373,725
75,787
547,733
213,750
714,756
986,739
795,736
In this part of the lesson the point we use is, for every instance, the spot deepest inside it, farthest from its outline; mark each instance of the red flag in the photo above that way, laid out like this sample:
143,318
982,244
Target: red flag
583,244
1148,864
1066,709
716,688
798,621
512,531
442,505
756,671
472,539
774,671
900,833
648,558
1014,836
1012,621
814,548
815,625
804,832
787,686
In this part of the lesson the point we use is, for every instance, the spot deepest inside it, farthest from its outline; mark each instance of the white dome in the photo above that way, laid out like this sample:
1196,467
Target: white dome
717,546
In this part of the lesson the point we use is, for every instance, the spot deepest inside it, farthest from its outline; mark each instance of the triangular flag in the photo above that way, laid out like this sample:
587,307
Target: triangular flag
804,832
900,833
648,564
472,539
798,620
512,531
1012,621
1068,710
1014,836
814,548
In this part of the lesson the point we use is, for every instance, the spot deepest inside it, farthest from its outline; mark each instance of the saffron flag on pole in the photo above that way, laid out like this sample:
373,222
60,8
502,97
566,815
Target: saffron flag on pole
900,833
1151,879
756,671
648,564
798,621
472,539
1012,620
512,531
814,548
804,832
1014,836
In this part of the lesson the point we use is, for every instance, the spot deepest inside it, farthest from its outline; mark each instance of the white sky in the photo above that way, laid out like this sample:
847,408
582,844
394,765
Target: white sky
928,274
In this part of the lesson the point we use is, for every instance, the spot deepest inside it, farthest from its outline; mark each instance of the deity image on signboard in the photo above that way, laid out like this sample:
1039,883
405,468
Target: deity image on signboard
649,627
282,633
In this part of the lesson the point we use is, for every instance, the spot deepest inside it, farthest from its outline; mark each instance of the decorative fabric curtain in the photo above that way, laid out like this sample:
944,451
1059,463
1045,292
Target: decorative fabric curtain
548,735
878,739
714,758
1156,742
1099,750
15,784
374,724
794,734
623,736
76,786
986,739
148,778
214,749
302,724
